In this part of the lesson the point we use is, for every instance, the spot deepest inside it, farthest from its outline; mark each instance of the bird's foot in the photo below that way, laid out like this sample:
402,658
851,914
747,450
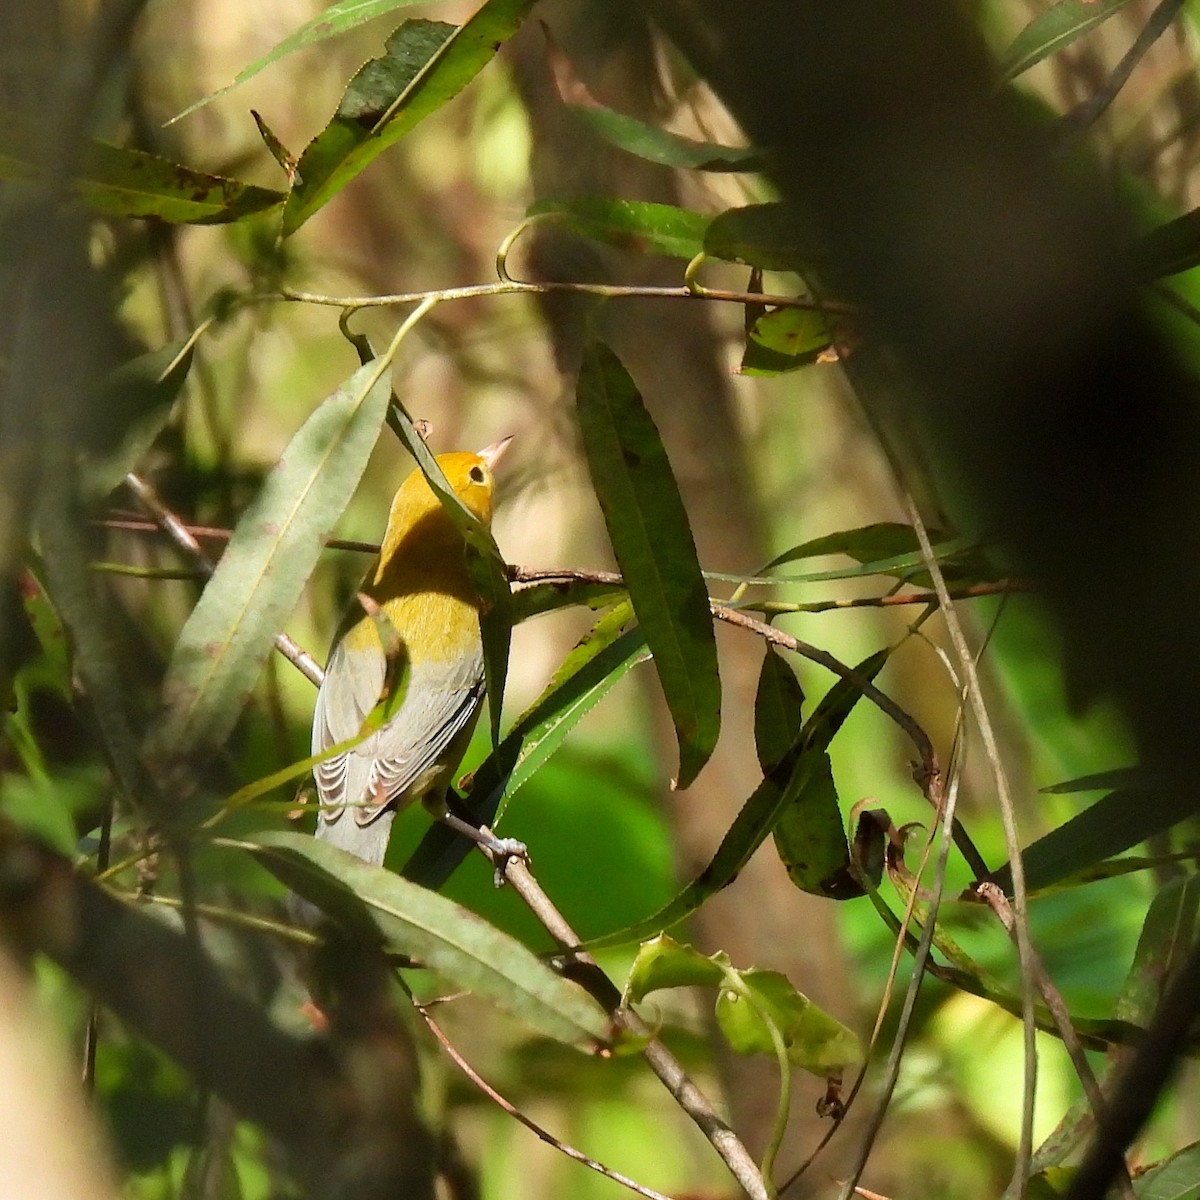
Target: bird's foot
503,849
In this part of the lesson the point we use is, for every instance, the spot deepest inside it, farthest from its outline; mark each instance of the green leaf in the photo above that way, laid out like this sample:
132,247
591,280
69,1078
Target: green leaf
837,703
815,1041
331,22
880,542
809,835
397,672
1118,777
46,669
456,944
1171,248
489,572
1113,868
1168,933
600,659
1113,824
1054,30
760,812
1175,1178
785,339
533,600
663,963
222,647
53,669
130,183
630,224
427,63
811,839
761,235
888,548
658,146
652,540
777,716
136,400
42,804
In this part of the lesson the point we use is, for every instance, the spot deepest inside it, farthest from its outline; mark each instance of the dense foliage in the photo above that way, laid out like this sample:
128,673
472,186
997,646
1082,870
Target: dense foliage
843,826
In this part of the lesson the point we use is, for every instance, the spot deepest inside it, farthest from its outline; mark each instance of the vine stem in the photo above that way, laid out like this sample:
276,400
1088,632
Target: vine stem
518,287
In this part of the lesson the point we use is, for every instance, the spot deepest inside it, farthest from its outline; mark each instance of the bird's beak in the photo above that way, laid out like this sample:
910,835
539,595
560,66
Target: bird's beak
493,453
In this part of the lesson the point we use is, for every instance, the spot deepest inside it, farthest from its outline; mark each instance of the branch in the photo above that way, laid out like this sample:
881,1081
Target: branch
179,533
519,287
583,968
1020,911
517,1115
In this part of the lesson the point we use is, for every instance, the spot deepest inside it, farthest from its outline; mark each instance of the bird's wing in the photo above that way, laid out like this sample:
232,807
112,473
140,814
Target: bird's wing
350,689
440,703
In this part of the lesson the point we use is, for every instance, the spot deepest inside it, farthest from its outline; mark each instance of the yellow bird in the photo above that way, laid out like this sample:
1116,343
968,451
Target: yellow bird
421,582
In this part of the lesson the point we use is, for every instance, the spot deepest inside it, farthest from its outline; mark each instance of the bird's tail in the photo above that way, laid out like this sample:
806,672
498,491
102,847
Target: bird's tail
368,842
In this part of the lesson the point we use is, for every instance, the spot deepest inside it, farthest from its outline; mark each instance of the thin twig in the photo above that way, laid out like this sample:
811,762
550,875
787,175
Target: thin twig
997,901
179,533
582,967
1001,587
215,533
517,1115
908,1009
893,969
1012,842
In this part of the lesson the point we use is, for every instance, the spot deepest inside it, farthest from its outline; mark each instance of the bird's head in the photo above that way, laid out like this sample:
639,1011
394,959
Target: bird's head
471,476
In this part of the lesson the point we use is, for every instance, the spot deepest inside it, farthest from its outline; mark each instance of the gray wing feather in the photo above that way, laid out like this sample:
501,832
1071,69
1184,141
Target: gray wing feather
441,704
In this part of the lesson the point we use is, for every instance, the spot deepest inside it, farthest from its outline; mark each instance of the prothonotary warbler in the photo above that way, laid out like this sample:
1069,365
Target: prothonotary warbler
421,582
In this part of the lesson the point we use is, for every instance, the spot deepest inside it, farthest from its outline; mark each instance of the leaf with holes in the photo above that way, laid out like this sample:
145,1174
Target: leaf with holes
427,63
120,182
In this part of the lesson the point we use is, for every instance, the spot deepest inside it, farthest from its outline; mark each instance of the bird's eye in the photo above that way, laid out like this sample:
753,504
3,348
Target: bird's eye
477,475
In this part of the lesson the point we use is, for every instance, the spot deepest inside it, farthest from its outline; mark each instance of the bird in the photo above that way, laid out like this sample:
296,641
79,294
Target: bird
420,582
